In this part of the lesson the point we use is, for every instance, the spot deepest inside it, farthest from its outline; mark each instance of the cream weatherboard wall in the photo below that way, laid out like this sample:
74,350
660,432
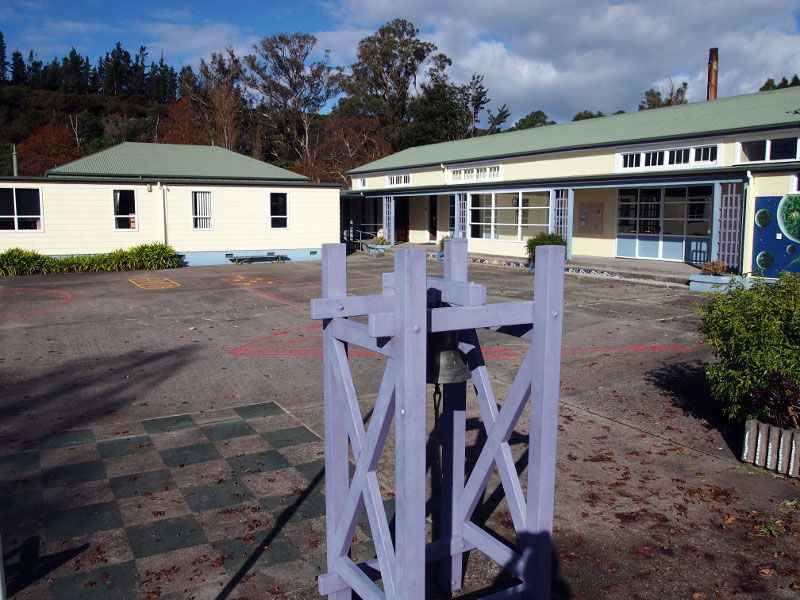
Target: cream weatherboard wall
564,164
241,219
79,219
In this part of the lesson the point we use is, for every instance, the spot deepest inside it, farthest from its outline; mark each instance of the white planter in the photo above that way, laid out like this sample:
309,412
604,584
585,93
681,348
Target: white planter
772,448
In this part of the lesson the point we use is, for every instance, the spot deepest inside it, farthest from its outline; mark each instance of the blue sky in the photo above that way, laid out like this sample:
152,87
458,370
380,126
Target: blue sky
560,56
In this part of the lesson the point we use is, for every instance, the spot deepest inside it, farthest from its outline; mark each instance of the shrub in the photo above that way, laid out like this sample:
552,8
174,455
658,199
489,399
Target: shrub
755,334
441,242
380,241
147,256
543,239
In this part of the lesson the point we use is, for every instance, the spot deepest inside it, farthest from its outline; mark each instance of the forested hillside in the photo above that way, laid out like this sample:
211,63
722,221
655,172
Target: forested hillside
276,104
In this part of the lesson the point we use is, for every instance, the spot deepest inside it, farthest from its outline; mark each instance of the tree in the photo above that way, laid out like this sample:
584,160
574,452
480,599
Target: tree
387,67
536,118
217,95
587,114
3,61
348,142
770,84
46,148
446,111
183,125
18,71
293,91
674,95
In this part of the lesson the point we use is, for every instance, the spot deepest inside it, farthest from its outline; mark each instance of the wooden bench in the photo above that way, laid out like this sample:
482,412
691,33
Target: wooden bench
238,259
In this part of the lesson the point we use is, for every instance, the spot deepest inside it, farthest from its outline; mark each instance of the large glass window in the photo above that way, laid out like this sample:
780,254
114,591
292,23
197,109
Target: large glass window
278,210
510,216
674,211
20,209
125,209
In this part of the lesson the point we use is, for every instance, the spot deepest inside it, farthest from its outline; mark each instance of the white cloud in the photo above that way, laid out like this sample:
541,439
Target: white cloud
563,56
173,14
189,42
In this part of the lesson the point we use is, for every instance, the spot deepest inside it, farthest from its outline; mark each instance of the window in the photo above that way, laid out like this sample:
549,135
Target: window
784,148
399,179
679,157
202,211
20,209
125,210
705,154
509,216
474,173
675,211
631,161
653,159
278,211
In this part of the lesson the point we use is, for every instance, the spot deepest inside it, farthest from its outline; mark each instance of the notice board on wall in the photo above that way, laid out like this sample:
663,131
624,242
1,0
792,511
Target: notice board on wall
590,218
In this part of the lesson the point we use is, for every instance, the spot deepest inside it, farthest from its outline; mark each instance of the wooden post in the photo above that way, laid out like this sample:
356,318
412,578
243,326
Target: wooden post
454,423
337,470
410,412
548,314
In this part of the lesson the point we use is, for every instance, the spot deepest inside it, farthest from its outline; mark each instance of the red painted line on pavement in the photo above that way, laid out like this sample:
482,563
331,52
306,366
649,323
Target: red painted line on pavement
312,346
41,310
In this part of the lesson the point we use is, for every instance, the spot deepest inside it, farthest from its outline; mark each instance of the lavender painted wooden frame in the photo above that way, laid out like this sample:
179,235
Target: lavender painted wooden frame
398,321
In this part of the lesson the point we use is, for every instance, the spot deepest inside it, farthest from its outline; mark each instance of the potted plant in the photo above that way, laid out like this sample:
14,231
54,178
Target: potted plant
378,245
755,333
714,274
542,239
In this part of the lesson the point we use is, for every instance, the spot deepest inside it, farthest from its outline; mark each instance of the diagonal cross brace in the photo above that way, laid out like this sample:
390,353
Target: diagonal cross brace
496,449
364,489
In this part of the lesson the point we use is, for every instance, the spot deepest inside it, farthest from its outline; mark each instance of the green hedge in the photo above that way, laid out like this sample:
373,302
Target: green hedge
147,256
755,334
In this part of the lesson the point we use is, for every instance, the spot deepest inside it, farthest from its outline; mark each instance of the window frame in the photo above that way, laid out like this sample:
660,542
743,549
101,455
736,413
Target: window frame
209,216
398,179
285,216
473,173
114,214
15,217
666,157
519,209
767,139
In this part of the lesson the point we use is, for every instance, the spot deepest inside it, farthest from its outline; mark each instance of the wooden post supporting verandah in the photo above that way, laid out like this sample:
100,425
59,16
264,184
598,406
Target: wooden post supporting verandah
398,321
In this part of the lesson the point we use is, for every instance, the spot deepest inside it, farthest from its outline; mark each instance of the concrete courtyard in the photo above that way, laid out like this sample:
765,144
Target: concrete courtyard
160,437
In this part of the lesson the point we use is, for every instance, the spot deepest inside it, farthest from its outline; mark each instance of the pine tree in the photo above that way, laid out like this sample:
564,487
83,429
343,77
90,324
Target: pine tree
3,61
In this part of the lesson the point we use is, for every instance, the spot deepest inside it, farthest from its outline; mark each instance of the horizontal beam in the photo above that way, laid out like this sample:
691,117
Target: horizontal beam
462,293
350,306
357,333
454,318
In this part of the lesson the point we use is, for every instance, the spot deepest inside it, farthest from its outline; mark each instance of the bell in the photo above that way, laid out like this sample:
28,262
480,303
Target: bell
444,361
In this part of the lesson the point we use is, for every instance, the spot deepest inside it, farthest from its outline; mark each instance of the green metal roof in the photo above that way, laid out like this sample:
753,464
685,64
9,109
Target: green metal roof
764,110
177,161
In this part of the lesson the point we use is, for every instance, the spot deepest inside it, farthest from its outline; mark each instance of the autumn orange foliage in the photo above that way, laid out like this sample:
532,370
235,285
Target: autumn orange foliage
47,147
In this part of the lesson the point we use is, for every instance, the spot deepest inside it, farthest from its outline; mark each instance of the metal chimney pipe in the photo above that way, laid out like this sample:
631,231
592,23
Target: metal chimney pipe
713,68
14,161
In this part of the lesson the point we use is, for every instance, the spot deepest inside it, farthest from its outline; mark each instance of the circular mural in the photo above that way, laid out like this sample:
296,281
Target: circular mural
789,217
763,218
765,260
